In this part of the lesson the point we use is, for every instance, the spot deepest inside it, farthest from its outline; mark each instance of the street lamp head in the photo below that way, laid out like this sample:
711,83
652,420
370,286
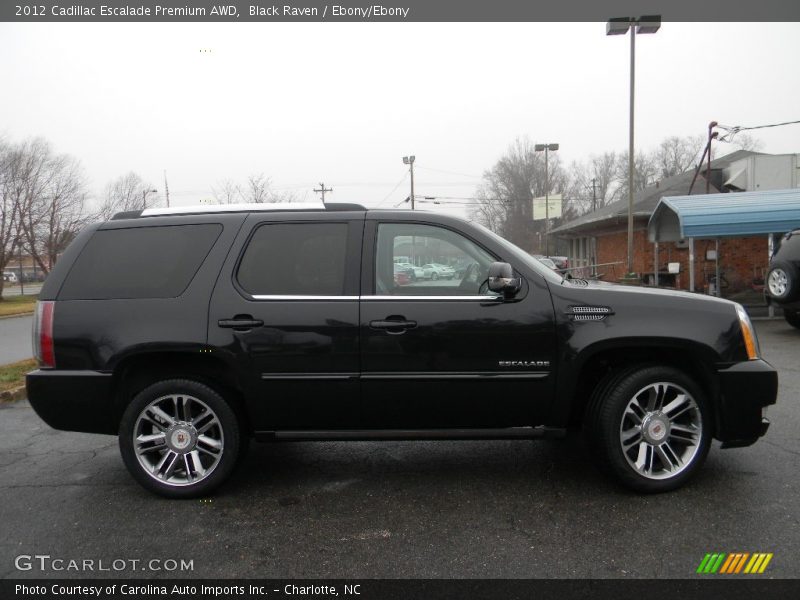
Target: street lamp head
644,24
405,160
618,26
543,147
648,24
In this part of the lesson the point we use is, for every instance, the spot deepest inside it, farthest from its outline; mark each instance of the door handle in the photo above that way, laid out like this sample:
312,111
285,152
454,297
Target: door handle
240,322
393,326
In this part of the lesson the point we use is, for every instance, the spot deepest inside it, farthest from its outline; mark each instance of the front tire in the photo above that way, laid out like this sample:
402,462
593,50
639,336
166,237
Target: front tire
179,438
783,281
792,317
651,427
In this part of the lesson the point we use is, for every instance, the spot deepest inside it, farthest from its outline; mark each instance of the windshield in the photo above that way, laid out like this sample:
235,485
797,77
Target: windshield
523,256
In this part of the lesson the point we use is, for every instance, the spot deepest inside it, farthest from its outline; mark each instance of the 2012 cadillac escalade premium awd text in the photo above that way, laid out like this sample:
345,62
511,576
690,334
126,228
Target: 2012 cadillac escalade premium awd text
188,331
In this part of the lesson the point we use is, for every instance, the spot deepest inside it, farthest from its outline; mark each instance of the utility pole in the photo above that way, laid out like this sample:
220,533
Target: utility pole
166,187
594,195
322,189
409,160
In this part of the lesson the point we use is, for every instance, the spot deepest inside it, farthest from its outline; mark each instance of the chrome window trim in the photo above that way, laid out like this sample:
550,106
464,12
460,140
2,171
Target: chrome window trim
291,297
483,298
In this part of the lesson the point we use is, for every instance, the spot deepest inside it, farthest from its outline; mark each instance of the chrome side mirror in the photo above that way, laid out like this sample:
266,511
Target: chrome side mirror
502,280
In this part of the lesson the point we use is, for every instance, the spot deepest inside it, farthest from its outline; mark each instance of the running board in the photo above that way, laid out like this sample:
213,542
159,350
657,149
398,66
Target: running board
505,433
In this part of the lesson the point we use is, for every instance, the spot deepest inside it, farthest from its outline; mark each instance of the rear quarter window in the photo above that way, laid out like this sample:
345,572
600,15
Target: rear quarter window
140,262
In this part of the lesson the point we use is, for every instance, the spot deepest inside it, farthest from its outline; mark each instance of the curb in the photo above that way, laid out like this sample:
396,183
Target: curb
15,315
12,395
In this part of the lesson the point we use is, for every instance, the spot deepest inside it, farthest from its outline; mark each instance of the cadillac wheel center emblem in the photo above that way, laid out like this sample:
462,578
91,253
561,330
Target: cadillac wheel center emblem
181,438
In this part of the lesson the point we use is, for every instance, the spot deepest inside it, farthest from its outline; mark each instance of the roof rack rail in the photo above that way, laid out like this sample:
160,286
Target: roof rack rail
231,208
227,208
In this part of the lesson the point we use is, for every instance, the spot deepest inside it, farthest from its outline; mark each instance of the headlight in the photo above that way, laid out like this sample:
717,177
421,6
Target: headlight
748,333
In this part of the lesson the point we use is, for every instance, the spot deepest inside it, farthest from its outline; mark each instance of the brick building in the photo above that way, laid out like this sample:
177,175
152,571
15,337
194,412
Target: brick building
601,237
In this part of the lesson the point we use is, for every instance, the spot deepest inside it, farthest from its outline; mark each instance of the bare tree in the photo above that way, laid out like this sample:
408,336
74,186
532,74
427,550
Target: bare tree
257,189
505,196
593,184
126,193
52,219
227,191
46,194
9,208
745,141
676,155
645,173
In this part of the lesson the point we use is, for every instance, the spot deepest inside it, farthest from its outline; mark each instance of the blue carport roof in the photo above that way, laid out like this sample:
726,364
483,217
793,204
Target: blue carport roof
725,215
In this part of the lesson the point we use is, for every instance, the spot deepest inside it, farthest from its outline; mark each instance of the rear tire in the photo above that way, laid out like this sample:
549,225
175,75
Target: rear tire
180,439
650,428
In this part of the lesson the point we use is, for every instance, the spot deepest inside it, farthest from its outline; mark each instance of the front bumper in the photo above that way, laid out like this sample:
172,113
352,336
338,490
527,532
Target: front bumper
745,389
73,400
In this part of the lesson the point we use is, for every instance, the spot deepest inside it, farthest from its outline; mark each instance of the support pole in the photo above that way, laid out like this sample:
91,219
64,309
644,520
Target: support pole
546,204
691,264
630,155
412,183
716,266
770,251
655,262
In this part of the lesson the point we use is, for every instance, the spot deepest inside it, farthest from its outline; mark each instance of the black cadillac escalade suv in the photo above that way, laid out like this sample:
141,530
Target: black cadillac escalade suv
189,331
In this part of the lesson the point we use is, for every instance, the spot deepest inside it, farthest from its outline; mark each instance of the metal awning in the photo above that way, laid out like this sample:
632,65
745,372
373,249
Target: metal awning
725,215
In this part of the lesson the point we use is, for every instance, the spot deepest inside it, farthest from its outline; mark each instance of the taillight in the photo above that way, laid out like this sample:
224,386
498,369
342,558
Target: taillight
43,350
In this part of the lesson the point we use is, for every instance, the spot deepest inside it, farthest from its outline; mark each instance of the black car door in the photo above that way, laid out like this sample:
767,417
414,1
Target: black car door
445,352
285,313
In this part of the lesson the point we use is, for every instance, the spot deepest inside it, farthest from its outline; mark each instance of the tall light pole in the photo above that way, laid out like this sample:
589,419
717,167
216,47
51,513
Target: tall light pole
547,148
620,26
409,160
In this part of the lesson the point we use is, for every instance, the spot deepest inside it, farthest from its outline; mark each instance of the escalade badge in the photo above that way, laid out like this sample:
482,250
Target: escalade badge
544,364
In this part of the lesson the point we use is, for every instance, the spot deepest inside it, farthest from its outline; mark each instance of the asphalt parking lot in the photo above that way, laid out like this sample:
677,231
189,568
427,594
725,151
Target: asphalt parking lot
406,509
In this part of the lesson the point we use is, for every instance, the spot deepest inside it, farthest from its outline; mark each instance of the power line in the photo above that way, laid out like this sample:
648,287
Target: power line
427,197
447,203
399,183
734,129
451,172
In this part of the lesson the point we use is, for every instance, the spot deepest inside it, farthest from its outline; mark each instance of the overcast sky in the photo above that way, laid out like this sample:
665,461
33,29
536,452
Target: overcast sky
342,103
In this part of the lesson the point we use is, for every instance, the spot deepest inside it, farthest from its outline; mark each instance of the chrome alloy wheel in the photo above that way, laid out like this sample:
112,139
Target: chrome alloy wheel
777,282
661,430
178,440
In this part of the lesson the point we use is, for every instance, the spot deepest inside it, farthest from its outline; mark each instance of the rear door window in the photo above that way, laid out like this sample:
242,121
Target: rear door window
295,259
140,262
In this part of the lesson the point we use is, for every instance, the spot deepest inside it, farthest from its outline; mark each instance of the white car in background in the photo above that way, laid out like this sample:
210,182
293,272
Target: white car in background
436,271
419,272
